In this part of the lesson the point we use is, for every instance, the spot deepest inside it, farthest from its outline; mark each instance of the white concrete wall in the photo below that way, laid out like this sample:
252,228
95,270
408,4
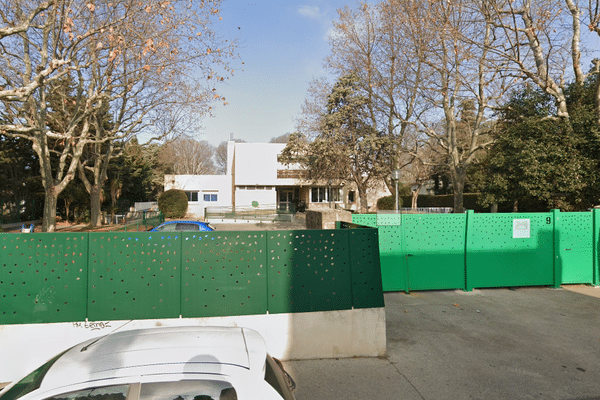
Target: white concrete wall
256,164
329,334
203,184
245,197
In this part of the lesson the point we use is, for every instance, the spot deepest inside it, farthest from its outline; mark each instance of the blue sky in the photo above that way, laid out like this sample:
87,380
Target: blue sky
283,45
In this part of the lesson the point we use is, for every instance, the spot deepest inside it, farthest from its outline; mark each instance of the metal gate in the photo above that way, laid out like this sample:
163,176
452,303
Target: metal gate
510,250
575,250
434,251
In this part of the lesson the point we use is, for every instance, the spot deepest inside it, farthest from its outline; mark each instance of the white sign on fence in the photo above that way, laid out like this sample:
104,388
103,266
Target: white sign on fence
521,229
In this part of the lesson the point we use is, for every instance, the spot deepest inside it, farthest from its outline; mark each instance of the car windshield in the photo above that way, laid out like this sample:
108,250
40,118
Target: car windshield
166,228
96,393
31,382
182,226
188,390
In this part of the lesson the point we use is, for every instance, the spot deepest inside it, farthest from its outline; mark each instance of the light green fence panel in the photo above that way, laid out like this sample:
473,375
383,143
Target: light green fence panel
365,219
435,250
43,278
308,271
575,250
509,250
134,276
366,272
393,261
224,273
596,246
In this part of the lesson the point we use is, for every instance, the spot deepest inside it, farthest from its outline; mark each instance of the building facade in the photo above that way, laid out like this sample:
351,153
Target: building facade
255,178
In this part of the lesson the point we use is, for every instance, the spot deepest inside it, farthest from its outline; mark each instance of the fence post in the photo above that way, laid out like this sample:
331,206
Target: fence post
556,249
595,244
470,218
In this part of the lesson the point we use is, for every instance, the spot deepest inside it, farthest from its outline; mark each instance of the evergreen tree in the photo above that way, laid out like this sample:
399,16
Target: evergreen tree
540,161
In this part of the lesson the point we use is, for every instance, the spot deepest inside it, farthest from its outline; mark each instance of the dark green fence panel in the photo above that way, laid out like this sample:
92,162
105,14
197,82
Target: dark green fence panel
224,273
134,276
435,250
366,272
308,271
510,250
43,278
392,257
575,250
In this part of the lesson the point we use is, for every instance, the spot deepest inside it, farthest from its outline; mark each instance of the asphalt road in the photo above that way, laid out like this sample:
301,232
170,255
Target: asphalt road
526,343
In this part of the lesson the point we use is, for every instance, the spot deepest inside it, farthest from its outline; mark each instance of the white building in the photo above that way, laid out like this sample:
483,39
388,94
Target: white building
255,178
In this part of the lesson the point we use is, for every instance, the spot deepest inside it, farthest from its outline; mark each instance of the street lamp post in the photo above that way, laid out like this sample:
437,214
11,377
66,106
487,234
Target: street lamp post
396,178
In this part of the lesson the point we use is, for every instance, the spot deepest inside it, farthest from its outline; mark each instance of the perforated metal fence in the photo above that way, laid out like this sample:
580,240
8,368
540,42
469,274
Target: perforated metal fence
43,277
145,275
466,251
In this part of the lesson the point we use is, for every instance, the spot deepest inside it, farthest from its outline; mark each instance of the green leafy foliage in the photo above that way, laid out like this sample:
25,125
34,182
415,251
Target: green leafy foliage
173,203
21,191
348,148
539,161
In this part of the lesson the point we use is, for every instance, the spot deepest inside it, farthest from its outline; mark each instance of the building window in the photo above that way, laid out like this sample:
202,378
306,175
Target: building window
192,196
351,196
210,197
321,194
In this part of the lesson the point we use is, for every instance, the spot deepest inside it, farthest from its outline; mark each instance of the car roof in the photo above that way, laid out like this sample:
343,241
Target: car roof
170,350
182,221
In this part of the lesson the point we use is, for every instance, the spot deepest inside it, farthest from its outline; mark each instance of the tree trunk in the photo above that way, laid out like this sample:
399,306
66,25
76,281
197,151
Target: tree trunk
362,197
458,187
415,197
95,205
67,210
50,202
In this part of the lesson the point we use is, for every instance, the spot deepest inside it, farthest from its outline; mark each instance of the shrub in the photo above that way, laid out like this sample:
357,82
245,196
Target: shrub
173,203
388,203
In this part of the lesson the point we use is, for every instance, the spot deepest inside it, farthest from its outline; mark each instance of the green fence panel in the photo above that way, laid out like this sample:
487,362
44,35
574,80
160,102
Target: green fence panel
435,250
224,273
576,247
365,219
392,257
366,272
596,246
389,219
308,271
510,250
43,278
134,275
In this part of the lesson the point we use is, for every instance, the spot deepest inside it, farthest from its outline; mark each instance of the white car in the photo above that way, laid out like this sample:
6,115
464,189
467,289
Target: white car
178,363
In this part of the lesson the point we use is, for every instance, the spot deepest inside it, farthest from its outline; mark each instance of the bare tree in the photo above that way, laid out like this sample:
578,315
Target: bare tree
310,120
465,84
281,139
186,156
544,43
221,157
128,62
373,41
